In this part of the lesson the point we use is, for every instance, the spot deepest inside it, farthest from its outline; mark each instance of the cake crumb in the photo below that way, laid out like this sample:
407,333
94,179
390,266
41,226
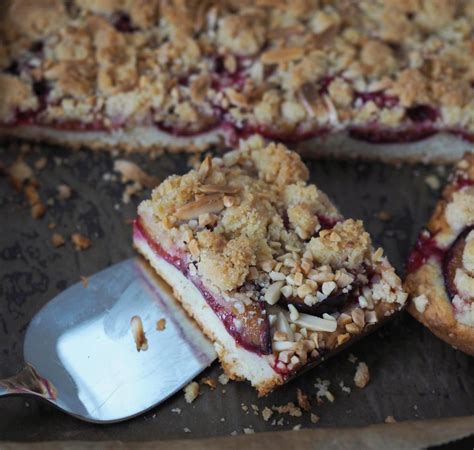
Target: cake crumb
297,427
433,182
249,430
323,391
223,379
161,324
352,358
176,410
362,375
41,163
186,430
244,407
191,392
64,191
303,400
141,341
209,382
84,281
266,413
390,419
290,408
384,216
57,240
420,303
80,242
344,388
314,418
132,172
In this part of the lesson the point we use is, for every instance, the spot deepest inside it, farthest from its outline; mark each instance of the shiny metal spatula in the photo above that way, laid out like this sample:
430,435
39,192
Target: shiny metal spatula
81,354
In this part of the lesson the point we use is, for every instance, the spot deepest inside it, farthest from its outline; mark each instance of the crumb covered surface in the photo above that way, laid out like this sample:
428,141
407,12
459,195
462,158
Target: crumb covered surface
251,229
278,67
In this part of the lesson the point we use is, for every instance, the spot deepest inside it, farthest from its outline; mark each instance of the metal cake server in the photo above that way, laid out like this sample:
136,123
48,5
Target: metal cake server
80,352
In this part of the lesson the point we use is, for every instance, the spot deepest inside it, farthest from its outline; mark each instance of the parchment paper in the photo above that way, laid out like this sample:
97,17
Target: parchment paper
413,374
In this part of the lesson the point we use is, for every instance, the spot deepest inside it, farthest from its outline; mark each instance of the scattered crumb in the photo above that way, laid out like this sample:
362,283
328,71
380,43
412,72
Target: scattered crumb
209,382
297,427
132,172
64,191
362,375
223,378
433,182
130,190
390,419
191,392
38,210
254,407
176,410
290,408
80,242
266,413
384,216
141,341
352,358
19,172
323,391
303,400
57,240
222,419
84,281
186,430
41,163
233,433
244,407
161,324
51,225
344,388
314,418
280,422
249,430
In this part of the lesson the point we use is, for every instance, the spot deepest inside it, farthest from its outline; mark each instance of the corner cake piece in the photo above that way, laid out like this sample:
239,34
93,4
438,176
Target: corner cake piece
187,74
265,263
440,268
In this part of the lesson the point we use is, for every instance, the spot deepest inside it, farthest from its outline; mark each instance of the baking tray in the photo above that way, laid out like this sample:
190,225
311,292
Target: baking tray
413,374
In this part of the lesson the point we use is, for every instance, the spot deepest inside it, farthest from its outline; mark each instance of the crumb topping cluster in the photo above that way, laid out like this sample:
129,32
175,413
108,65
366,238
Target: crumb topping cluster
285,66
253,230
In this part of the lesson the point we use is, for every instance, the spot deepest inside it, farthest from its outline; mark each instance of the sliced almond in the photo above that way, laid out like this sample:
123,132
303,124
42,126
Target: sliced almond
141,341
282,55
218,189
132,172
274,292
205,168
316,323
207,204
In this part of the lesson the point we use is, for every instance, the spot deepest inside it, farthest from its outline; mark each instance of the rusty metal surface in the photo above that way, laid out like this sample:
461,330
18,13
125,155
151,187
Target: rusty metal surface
414,375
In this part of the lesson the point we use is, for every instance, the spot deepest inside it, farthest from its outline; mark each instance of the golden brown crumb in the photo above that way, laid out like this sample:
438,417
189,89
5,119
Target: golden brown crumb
141,341
362,375
266,413
209,382
132,172
38,210
57,240
191,392
390,419
84,281
80,242
19,172
303,400
314,418
51,225
289,408
161,324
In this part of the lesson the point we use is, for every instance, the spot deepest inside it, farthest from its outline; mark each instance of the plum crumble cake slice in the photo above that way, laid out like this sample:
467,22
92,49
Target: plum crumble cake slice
440,278
264,262
187,74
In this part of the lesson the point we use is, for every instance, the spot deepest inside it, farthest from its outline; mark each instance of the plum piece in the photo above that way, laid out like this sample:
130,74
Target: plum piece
329,305
247,324
453,260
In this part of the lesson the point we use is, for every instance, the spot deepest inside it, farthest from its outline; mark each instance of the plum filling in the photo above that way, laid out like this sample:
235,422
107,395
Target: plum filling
247,324
425,248
453,260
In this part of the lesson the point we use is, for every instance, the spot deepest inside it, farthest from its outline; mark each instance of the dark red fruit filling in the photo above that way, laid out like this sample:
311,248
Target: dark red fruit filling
453,260
123,23
329,305
422,114
425,248
249,327
379,98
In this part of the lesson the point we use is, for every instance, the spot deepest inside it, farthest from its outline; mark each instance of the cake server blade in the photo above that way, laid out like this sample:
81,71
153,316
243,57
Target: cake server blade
81,355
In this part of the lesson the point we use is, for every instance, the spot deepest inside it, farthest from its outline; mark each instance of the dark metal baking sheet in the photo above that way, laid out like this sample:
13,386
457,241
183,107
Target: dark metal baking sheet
414,375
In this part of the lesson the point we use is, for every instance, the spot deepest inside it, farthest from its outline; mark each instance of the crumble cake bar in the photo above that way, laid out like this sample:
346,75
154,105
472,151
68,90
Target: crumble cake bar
265,263
184,75
440,276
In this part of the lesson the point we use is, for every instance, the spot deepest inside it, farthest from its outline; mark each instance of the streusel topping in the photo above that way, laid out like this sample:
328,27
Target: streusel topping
286,67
